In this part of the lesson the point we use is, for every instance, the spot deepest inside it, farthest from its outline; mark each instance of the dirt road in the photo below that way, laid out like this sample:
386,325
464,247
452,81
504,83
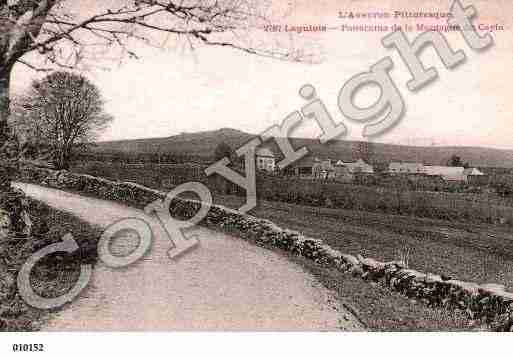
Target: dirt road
224,284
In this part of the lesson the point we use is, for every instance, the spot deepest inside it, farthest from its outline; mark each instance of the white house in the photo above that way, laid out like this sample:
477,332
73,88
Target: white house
472,172
405,168
446,172
474,175
265,159
359,166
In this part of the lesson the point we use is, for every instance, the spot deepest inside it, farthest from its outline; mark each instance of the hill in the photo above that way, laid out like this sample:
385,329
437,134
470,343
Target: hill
202,144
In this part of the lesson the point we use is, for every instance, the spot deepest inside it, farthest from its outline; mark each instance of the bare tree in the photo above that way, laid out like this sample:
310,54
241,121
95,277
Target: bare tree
63,112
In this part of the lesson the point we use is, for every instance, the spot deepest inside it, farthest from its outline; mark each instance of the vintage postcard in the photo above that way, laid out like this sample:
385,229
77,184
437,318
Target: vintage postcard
255,166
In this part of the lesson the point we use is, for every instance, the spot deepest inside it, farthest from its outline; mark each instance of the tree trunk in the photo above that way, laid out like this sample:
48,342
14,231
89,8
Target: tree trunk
4,104
62,162
13,213
5,160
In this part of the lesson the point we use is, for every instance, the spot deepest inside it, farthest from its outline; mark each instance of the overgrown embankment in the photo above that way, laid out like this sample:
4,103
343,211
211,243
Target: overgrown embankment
52,276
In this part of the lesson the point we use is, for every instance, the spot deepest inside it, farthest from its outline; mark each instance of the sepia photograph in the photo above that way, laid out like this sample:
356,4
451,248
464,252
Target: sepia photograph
270,171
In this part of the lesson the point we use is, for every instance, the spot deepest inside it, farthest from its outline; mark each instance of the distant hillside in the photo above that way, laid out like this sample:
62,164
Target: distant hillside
202,144
194,144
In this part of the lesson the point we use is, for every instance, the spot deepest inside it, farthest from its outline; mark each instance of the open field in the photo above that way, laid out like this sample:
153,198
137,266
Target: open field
480,253
466,207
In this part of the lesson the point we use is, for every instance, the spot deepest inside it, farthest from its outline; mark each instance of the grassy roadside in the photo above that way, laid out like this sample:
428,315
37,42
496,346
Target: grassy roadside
380,309
53,275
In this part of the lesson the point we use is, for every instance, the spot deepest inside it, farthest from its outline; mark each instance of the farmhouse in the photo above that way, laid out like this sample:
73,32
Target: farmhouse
472,172
313,167
446,172
460,174
343,174
405,168
359,166
265,160
303,167
475,176
323,169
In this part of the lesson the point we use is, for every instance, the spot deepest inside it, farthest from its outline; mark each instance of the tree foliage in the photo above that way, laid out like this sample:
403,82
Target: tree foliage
223,150
63,113
456,161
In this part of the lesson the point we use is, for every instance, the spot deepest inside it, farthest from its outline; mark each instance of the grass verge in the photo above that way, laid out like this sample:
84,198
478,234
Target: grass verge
53,275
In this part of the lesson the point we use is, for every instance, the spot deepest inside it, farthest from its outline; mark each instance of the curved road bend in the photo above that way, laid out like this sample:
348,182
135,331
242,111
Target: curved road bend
224,284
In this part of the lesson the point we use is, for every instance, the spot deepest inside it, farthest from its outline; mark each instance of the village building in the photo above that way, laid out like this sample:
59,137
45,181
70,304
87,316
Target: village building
265,160
343,174
475,176
313,167
446,172
303,167
472,172
457,174
410,168
359,166
323,169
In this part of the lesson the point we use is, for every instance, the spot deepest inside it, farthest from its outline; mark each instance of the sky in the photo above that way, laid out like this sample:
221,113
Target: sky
173,90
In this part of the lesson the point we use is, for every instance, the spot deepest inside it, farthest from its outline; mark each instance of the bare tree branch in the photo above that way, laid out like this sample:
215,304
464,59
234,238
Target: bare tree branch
212,22
34,67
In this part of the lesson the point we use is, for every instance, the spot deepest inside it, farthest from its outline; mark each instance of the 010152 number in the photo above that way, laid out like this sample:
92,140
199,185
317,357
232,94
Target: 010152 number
28,348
